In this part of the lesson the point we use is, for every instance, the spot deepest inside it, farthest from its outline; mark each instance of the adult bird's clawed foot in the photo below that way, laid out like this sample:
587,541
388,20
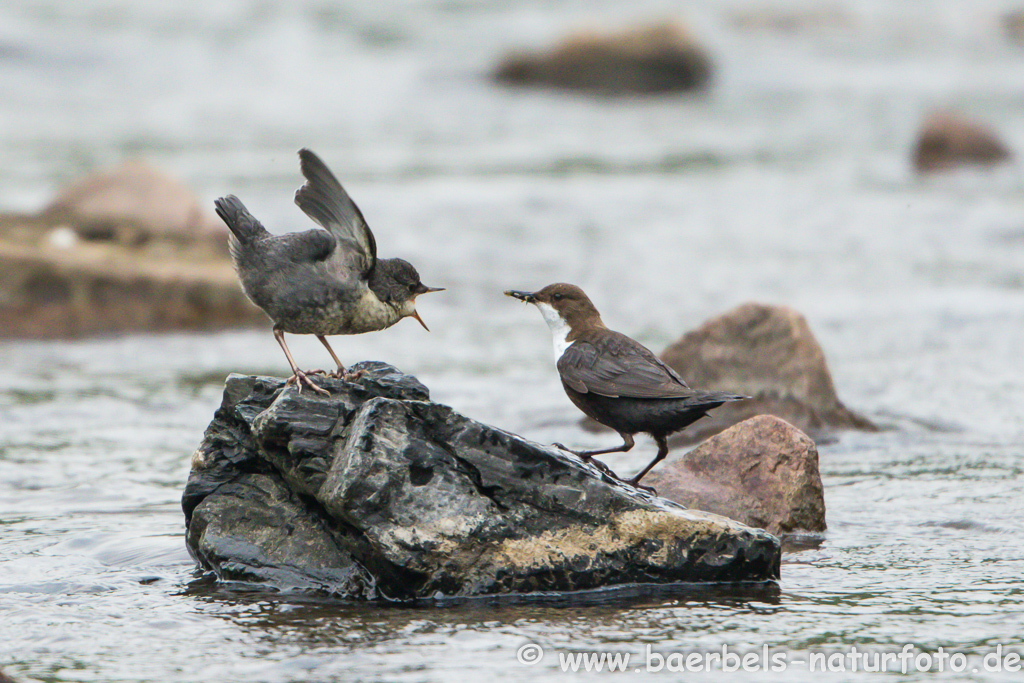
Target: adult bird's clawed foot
601,466
588,458
635,483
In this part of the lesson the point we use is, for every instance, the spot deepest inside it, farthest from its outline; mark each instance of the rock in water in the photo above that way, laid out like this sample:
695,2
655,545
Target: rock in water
769,353
762,472
947,140
127,250
652,59
132,204
377,492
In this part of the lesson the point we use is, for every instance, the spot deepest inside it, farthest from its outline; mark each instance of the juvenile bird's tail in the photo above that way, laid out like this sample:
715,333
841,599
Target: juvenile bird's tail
245,229
243,226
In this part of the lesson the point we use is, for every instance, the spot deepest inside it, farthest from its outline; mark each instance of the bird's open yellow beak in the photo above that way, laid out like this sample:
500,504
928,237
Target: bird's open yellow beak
420,320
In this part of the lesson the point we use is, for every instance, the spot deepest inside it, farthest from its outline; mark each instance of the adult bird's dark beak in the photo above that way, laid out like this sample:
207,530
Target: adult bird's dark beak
522,296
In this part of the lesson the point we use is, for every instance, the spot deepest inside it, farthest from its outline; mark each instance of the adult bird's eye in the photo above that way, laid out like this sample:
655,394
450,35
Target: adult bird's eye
557,297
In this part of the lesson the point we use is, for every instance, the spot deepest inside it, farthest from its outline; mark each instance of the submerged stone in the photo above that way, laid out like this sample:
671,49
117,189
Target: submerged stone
377,492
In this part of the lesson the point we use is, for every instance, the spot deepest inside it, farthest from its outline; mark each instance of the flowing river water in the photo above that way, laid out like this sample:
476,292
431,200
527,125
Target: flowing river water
787,182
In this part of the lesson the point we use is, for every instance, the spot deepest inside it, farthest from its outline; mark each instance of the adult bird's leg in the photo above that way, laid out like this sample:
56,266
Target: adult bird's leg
662,452
627,443
298,376
341,373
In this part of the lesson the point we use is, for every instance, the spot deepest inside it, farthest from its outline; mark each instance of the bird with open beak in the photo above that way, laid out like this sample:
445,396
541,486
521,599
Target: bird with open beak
321,281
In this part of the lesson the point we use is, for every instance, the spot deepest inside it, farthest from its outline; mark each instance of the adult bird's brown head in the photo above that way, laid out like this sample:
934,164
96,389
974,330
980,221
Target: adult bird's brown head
567,310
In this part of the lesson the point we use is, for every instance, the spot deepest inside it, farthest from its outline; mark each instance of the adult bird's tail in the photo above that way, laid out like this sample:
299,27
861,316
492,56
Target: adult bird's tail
245,229
713,399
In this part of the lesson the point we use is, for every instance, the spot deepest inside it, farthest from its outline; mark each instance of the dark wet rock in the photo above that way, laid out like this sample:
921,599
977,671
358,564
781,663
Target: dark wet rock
649,59
948,140
762,472
125,251
766,352
377,492
254,529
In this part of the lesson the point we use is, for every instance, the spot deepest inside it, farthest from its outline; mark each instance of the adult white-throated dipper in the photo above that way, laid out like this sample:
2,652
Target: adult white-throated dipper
320,282
614,379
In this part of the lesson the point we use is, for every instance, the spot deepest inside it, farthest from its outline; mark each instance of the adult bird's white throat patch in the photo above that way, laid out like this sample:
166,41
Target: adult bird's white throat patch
559,328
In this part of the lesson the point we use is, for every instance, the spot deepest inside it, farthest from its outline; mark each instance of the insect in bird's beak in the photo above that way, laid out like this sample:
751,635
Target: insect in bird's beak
526,297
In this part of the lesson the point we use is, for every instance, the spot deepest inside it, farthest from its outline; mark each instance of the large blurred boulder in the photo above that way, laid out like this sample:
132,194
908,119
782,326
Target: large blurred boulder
132,204
948,141
129,250
48,292
766,352
649,59
762,472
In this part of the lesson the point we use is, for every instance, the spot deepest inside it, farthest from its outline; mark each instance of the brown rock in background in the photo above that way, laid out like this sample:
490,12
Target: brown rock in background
128,250
133,204
948,141
762,472
648,59
768,353
48,293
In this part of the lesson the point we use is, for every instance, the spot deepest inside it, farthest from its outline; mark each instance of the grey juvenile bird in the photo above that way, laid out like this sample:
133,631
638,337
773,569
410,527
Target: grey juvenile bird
614,379
320,282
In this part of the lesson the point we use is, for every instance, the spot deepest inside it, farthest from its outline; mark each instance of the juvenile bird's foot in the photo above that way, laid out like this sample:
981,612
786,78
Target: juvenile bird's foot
569,450
300,378
346,376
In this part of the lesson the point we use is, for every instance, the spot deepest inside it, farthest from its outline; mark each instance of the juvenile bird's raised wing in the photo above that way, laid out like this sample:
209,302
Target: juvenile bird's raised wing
323,199
612,364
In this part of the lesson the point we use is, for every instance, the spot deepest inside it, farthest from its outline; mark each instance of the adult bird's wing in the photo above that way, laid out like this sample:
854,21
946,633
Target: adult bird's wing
323,199
612,364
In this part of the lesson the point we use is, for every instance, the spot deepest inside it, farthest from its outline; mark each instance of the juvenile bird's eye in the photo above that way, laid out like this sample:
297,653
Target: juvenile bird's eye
557,297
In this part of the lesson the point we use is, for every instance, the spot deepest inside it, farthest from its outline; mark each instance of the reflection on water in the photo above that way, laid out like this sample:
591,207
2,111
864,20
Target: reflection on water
788,182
